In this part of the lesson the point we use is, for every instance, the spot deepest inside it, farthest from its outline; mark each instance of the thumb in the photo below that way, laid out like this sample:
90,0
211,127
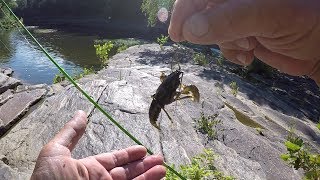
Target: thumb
225,22
70,134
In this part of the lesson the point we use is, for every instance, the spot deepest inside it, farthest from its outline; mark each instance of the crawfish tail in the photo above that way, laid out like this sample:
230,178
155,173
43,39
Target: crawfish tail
154,112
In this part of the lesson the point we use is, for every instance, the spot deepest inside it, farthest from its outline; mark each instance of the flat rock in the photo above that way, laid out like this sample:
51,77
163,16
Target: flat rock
22,88
229,160
17,106
4,97
6,71
125,88
7,82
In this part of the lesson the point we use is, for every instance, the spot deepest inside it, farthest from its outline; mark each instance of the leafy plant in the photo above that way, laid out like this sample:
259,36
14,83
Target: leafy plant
122,48
201,167
162,40
299,156
207,125
220,59
86,71
200,59
234,88
58,78
318,125
103,51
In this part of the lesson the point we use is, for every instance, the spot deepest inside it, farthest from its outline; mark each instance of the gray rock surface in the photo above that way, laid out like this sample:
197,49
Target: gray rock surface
6,71
7,82
124,89
17,106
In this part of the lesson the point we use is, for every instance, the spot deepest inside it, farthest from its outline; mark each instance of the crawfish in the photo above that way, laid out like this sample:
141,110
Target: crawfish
164,95
167,93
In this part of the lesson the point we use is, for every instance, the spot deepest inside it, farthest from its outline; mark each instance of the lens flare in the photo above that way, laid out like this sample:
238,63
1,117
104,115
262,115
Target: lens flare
163,14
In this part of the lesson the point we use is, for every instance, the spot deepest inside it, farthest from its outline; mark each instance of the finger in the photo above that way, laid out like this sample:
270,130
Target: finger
122,157
70,134
157,172
284,63
229,21
182,10
238,57
95,169
244,44
137,168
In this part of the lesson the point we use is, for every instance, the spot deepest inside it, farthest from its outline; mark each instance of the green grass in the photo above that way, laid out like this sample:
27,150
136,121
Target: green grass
318,125
299,156
234,88
201,167
220,59
86,71
200,59
208,125
162,40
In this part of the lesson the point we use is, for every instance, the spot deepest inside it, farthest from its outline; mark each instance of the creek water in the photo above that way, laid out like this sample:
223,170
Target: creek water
71,50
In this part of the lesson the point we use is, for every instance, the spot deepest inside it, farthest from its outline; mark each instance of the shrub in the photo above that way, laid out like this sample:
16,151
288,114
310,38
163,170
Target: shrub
86,71
201,167
234,88
299,156
103,51
162,40
200,59
207,125
58,78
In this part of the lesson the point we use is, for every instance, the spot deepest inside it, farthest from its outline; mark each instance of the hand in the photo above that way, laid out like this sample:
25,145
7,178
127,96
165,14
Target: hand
284,34
55,161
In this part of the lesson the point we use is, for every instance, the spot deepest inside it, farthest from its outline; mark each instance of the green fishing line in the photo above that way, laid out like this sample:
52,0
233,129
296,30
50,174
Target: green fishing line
96,105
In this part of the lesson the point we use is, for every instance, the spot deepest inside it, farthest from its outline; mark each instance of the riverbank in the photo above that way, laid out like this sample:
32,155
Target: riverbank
102,27
253,122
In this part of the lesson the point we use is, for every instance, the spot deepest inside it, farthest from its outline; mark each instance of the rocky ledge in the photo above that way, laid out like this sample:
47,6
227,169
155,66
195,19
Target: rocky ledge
250,137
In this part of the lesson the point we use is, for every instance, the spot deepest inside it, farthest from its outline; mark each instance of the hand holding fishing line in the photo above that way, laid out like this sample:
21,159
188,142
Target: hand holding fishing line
284,34
55,161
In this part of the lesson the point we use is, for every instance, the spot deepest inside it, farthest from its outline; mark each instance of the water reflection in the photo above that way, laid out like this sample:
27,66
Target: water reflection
72,51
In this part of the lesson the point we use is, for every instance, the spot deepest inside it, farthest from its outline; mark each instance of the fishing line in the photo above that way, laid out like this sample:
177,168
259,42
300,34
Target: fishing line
4,45
96,105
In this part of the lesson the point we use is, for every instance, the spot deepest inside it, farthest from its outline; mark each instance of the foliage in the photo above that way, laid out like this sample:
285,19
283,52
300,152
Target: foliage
58,78
220,59
299,156
122,48
162,40
200,59
318,125
7,21
207,125
103,51
234,88
107,48
86,71
201,167
151,7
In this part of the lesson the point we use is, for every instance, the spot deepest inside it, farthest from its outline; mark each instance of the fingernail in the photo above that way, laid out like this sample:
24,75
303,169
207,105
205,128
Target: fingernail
197,25
80,114
243,43
242,58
